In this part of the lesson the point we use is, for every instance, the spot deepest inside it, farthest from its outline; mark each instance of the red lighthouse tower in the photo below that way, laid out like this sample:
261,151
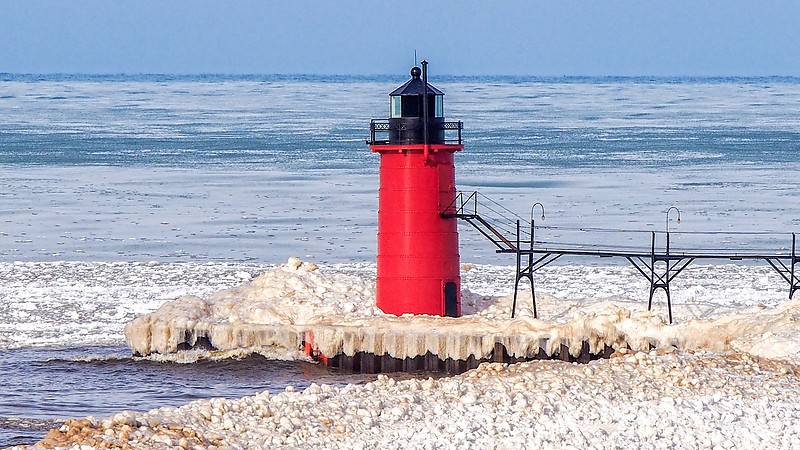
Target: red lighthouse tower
418,261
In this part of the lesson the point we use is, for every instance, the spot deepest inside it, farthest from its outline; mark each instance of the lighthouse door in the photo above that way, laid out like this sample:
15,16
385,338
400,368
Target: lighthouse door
450,299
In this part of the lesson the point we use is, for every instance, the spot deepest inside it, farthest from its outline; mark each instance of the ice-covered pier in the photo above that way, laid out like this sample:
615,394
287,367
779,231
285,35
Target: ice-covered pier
300,311
446,354
331,318
384,344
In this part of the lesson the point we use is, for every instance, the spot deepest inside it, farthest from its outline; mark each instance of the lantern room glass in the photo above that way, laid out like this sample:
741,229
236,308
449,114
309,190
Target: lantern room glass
411,106
439,106
396,107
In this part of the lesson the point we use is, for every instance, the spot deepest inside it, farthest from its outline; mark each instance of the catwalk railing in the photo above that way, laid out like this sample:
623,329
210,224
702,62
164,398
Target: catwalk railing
659,256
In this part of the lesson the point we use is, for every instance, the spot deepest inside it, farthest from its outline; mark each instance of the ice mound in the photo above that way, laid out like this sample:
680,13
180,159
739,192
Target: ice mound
297,303
260,313
295,293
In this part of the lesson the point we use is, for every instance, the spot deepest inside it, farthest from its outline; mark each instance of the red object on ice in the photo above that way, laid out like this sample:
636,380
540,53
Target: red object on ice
418,260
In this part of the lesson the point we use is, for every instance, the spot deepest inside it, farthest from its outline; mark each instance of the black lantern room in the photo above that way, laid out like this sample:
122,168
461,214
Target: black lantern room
409,119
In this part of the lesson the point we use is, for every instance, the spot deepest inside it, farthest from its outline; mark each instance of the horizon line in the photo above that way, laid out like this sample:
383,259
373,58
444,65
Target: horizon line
362,76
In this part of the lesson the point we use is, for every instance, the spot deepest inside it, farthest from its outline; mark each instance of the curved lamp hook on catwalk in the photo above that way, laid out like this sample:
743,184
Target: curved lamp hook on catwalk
534,207
666,225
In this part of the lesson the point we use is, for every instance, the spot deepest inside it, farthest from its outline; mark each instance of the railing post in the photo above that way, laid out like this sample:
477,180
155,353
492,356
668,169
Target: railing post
653,245
652,269
794,285
530,272
517,276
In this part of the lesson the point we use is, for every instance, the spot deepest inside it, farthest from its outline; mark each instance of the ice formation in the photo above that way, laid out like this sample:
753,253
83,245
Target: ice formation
700,388
286,306
659,399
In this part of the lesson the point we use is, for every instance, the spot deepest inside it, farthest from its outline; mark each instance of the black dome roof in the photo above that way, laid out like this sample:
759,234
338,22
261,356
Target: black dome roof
415,86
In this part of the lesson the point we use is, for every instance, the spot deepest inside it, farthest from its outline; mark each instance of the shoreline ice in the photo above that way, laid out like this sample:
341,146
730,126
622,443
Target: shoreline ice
660,399
644,399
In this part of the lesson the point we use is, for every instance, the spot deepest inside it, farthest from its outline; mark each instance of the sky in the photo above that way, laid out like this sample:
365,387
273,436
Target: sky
354,37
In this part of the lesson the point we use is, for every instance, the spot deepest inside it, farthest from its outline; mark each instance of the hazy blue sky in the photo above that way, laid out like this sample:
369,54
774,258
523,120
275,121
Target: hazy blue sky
731,37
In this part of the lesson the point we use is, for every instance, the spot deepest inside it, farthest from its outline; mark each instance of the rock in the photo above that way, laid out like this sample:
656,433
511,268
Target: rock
294,263
125,418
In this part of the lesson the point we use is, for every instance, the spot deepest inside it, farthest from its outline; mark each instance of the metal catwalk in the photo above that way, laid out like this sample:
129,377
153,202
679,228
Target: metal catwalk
652,253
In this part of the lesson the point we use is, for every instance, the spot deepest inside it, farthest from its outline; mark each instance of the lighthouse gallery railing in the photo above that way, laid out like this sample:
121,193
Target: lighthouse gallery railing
382,127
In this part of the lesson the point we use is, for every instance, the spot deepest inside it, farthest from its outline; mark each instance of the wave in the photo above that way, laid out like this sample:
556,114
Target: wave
194,356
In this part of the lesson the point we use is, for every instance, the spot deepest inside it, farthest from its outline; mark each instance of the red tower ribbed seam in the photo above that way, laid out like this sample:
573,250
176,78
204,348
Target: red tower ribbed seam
417,247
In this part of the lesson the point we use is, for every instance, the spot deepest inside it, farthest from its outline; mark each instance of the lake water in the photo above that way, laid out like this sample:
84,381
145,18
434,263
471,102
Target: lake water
118,193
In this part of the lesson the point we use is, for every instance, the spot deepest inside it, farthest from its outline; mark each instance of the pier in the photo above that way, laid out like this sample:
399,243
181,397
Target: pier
375,350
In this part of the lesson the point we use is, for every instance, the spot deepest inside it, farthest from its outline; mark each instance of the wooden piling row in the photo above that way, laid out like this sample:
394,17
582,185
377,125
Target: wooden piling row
371,351
364,362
